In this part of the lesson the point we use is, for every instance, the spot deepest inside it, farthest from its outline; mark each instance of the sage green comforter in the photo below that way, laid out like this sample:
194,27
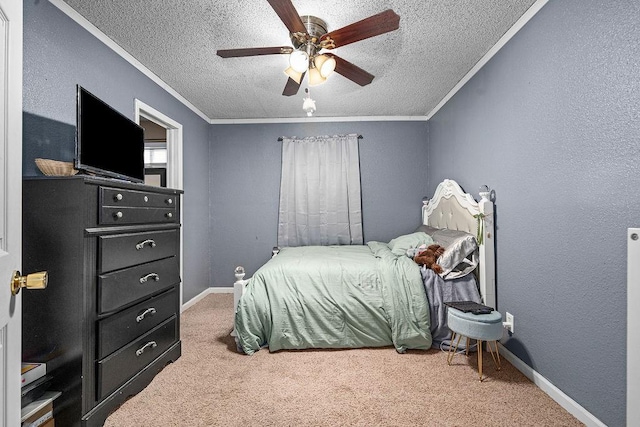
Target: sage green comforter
334,297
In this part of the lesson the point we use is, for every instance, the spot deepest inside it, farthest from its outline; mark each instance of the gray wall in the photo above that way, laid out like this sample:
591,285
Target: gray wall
552,122
245,185
58,54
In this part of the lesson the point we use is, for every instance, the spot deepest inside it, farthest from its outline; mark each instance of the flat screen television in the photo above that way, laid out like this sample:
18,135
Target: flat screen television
108,143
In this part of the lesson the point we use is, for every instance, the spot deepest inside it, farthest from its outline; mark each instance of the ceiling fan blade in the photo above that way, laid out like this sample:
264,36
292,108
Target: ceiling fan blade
289,15
254,51
369,27
291,88
352,72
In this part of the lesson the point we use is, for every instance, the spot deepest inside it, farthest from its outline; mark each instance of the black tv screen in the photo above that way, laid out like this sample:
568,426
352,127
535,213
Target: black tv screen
107,143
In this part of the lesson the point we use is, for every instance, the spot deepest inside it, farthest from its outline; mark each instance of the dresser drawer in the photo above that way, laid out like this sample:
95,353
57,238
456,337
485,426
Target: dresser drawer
124,250
110,215
122,287
124,206
116,369
135,198
117,330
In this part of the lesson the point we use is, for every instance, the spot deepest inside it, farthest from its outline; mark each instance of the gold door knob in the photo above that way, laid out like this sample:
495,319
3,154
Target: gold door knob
30,281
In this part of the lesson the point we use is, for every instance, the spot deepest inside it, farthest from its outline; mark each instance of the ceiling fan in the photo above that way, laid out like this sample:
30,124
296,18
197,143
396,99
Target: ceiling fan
311,40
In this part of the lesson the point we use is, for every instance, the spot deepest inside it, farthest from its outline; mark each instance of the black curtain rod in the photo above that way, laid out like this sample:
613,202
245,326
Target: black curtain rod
281,138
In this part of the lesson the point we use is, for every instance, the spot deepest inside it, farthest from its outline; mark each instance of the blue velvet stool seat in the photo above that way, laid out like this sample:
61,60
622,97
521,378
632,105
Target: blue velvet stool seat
480,327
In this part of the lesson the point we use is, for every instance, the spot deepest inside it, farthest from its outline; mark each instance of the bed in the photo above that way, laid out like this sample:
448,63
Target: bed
371,295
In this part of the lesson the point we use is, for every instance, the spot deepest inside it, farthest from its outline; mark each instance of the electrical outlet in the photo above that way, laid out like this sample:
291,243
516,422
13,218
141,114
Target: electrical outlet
509,321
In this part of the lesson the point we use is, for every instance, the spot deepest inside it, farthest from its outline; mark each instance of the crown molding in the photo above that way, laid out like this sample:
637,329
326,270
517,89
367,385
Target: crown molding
320,120
530,13
93,30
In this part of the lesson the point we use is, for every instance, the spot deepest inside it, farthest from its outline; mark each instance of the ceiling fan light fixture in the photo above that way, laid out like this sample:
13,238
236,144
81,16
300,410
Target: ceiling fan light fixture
309,37
315,78
325,64
293,74
299,61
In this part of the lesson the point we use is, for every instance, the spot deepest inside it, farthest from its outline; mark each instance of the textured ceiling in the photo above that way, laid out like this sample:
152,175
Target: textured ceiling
415,67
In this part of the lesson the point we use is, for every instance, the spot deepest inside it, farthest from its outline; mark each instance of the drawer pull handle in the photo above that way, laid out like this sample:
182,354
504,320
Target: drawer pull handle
117,197
150,242
169,201
150,344
146,199
153,276
117,215
141,317
169,215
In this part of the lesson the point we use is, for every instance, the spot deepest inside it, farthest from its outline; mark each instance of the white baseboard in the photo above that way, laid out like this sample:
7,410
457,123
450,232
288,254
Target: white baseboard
227,290
554,392
203,294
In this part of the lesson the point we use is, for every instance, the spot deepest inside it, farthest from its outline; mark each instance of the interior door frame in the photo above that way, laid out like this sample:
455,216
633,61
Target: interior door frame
633,324
174,177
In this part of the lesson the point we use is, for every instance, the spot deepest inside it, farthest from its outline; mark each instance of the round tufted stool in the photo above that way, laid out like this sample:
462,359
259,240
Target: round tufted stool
480,327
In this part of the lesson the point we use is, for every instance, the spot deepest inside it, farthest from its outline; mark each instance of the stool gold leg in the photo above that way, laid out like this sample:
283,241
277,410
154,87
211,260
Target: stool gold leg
455,349
466,349
480,358
496,357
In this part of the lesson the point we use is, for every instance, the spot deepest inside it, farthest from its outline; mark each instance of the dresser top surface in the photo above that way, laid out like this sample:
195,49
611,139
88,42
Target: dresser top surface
112,182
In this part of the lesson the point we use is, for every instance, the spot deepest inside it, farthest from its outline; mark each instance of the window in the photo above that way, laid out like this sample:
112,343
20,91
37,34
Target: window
155,155
320,200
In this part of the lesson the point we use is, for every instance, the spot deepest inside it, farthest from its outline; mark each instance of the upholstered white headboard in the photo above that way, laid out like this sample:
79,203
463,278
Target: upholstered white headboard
452,208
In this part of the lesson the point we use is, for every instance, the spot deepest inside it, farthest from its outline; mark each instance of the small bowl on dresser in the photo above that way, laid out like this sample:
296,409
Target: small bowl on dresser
55,167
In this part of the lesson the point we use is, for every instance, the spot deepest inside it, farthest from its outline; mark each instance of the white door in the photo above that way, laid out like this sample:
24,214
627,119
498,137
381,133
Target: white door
10,207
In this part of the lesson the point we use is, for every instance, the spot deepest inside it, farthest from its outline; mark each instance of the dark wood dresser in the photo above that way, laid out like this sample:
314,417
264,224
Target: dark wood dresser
109,319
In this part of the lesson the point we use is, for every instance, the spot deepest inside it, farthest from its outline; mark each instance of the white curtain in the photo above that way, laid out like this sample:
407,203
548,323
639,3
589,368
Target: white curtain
320,192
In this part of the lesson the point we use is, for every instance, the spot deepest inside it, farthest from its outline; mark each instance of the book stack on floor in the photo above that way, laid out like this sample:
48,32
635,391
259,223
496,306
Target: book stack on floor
35,383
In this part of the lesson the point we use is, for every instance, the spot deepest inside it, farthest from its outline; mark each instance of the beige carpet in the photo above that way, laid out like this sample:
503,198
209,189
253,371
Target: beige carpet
213,385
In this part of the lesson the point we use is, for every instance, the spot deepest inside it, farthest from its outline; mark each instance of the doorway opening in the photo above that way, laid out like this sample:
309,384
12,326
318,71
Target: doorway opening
169,157
164,137
155,153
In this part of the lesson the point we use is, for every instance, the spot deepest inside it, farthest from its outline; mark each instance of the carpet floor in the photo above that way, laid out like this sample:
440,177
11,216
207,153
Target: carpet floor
211,384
